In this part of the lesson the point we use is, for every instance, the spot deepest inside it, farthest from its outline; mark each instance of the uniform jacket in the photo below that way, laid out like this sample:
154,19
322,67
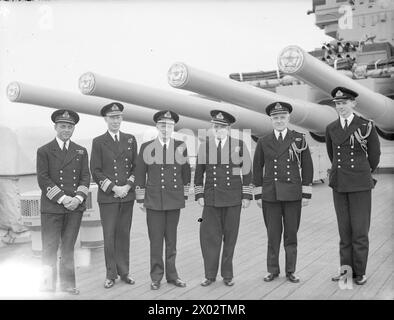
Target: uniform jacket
228,182
113,165
163,185
352,161
282,171
60,174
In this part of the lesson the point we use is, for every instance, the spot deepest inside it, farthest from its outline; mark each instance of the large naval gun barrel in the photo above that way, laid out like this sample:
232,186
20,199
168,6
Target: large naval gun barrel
311,116
98,85
294,61
57,99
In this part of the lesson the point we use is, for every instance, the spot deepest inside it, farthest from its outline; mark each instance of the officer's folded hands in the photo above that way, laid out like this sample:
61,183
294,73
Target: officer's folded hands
71,203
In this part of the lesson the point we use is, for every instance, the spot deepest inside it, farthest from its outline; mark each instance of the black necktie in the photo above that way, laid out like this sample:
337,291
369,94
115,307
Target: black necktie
280,138
219,152
117,142
64,147
164,153
346,126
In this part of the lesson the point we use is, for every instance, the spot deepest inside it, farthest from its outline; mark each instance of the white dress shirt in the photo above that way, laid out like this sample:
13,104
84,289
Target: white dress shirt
164,143
349,120
61,142
284,132
223,141
114,134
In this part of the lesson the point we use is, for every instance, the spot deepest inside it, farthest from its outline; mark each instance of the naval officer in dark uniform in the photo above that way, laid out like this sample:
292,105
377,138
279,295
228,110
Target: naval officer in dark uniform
282,175
162,185
112,164
226,164
354,150
63,176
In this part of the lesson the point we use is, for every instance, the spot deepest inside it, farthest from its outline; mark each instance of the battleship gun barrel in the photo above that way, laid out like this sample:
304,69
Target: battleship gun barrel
195,107
32,94
311,116
294,61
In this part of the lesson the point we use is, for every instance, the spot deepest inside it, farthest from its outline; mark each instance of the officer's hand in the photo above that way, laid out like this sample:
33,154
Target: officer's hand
119,192
116,190
201,202
260,203
73,204
305,202
142,206
245,203
125,190
66,200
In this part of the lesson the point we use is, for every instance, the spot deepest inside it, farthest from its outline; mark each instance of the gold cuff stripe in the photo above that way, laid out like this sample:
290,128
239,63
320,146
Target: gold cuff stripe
105,184
53,192
247,189
140,193
83,189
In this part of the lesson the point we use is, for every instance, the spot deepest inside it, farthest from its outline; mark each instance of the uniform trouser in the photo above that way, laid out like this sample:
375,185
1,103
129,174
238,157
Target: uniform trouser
219,224
274,213
60,229
162,225
116,221
353,210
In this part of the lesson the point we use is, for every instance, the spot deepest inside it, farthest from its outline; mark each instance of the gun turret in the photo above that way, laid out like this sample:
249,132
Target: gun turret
375,106
311,116
198,108
57,99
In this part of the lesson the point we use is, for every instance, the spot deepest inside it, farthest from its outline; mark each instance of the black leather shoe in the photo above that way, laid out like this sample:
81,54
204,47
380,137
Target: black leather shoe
207,282
228,282
73,291
271,276
109,283
292,278
127,279
338,277
178,282
155,285
360,280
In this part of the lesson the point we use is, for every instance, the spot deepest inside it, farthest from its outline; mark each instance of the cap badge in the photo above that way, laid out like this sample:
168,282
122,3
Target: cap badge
339,93
115,107
219,116
66,115
167,115
278,106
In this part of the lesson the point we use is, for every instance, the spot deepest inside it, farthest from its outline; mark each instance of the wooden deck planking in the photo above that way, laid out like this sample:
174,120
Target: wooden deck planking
386,291
318,257
376,260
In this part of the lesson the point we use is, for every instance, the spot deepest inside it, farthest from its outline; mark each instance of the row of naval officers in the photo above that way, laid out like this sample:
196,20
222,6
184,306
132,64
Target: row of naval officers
158,178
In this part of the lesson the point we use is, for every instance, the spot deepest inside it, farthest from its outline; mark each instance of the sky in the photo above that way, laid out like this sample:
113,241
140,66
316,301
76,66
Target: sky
51,43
